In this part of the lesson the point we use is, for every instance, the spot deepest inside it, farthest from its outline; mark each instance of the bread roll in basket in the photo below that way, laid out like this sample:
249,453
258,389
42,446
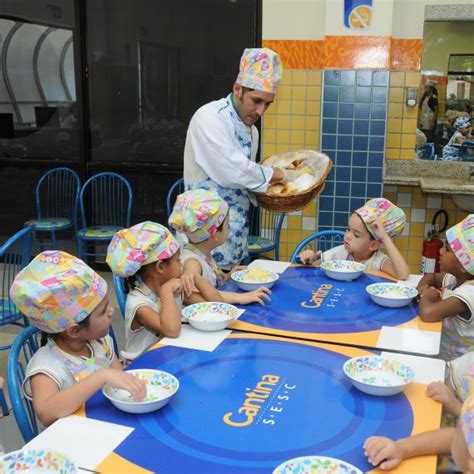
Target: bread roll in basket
286,197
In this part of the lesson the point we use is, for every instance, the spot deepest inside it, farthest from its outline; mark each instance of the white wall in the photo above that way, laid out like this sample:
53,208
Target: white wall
314,19
293,19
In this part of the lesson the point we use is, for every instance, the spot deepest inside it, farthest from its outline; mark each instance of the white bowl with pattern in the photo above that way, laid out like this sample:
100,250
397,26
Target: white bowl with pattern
316,465
160,388
252,279
210,316
344,270
36,460
391,295
377,375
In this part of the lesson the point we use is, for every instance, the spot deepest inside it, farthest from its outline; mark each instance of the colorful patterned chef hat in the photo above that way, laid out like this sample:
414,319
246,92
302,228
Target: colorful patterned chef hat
461,240
467,423
144,243
198,214
57,290
461,122
392,217
260,69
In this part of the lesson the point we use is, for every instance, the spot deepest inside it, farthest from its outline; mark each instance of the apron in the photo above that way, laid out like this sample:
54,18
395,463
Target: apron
82,367
235,248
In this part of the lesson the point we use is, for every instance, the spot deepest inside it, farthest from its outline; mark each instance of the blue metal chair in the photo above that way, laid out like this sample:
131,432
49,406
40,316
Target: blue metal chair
23,348
119,287
105,203
322,240
3,403
264,231
15,254
174,191
56,201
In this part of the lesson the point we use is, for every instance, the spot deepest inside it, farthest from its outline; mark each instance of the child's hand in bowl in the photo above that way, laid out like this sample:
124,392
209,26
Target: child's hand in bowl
130,383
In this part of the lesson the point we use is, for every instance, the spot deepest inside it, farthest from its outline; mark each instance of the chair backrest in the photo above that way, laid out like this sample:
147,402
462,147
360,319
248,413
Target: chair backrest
23,348
176,189
57,193
119,287
322,240
106,199
15,254
267,225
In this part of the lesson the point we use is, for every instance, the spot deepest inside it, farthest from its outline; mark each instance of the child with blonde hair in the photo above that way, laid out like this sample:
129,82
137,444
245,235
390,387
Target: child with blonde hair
68,301
203,216
376,223
448,296
147,255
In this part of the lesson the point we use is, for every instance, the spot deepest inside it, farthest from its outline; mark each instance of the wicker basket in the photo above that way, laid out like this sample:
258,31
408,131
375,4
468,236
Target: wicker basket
296,201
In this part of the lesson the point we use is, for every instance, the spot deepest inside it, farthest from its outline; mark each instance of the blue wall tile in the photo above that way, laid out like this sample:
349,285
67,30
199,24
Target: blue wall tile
346,94
361,127
364,78
325,218
359,174
329,126
344,142
377,127
345,127
378,111
341,204
346,110
343,173
359,158
344,158
358,189
331,94
376,143
332,77
380,78
326,203
362,111
363,94
341,219
329,110
348,78
379,94
360,143
374,175
329,142
353,134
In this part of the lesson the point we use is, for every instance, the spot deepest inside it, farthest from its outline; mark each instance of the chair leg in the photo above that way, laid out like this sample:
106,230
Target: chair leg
53,240
3,403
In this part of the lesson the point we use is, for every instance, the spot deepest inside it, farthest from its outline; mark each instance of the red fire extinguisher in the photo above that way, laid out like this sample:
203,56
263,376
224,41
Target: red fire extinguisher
433,244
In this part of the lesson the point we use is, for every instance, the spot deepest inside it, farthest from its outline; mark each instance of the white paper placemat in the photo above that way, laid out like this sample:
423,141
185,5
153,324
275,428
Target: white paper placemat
191,338
85,441
412,280
409,340
270,265
426,369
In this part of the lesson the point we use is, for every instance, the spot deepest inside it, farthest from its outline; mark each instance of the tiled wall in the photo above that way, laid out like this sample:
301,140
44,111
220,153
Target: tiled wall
401,119
292,122
353,136
419,208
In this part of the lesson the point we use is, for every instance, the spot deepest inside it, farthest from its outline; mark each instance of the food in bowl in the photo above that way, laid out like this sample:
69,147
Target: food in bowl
253,278
210,316
160,388
377,375
391,295
36,460
345,270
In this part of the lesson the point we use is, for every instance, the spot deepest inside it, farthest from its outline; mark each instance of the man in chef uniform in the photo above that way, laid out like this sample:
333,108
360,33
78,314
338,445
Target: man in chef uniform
222,143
